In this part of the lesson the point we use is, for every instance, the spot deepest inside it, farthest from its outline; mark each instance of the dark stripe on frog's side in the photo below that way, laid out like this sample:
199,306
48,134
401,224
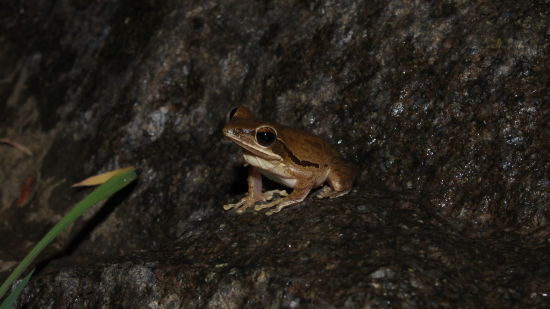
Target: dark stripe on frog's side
295,159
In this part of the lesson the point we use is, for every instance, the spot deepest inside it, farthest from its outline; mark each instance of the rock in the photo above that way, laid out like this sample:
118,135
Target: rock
442,105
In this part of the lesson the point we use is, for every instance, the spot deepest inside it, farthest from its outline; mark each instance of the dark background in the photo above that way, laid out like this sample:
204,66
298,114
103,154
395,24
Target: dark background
442,105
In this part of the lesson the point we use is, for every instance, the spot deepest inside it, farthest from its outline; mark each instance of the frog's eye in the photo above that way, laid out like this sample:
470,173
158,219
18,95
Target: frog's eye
266,136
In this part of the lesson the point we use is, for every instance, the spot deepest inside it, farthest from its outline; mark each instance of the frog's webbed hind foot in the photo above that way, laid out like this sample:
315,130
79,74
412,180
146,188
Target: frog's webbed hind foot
240,206
297,195
328,192
276,205
268,195
249,201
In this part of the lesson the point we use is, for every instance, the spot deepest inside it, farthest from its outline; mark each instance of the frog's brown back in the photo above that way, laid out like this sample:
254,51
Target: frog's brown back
324,152
307,148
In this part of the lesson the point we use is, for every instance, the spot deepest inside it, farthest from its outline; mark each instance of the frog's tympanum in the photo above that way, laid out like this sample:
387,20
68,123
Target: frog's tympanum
291,157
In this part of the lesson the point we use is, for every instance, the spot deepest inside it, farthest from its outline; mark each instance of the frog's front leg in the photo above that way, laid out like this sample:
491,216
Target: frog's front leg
301,190
255,193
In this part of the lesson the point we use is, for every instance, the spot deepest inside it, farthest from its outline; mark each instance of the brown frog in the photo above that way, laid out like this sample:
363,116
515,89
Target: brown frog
291,157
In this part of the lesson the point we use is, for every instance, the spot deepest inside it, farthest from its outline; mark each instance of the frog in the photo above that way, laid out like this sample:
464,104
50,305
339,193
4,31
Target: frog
294,158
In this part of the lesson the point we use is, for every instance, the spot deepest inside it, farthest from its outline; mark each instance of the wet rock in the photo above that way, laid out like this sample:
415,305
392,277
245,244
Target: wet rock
316,255
442,105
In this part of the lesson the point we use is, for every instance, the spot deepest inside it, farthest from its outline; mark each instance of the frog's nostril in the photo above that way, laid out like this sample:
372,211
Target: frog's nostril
230,132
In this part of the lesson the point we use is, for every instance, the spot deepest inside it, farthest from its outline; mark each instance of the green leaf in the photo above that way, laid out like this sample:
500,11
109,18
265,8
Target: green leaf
101,178
6,304
102,192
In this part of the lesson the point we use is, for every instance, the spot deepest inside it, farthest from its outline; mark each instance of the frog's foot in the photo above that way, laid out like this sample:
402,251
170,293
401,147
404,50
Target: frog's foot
242,205
277,205
249,201
328,192
297,195
268,195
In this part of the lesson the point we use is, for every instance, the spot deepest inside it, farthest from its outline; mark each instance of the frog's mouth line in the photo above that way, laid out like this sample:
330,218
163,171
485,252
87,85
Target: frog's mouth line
270,156
252,151
255,152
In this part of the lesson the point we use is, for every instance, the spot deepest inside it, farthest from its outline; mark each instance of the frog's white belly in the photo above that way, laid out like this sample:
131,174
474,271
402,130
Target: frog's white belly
273,170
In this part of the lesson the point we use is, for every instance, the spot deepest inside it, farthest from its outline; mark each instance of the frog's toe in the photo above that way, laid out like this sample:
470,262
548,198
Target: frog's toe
269,195
229,206
325,192
259,207
282,192
240,205
278,208
328,192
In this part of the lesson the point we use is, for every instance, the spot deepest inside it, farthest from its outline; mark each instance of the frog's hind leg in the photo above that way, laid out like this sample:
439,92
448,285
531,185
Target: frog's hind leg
339,182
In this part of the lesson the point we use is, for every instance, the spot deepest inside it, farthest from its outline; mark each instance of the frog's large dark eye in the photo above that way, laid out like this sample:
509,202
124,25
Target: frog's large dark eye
266,136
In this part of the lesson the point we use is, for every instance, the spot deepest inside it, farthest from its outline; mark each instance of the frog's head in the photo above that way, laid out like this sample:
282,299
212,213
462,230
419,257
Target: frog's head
256,137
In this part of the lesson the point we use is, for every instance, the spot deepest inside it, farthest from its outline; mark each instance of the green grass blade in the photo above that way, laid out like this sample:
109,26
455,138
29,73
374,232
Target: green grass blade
102,192
6,304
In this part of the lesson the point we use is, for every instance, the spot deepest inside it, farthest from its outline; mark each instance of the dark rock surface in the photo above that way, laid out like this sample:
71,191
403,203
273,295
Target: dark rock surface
443,105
